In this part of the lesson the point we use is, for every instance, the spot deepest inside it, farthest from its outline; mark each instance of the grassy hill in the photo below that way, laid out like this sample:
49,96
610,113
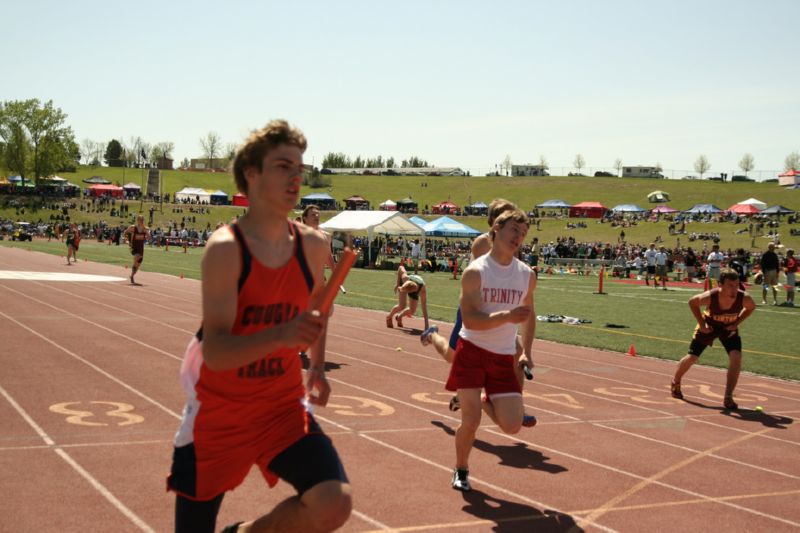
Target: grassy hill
525,191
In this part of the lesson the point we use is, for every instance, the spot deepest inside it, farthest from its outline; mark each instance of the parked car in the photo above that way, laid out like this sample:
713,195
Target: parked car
741,178
690,178
603,174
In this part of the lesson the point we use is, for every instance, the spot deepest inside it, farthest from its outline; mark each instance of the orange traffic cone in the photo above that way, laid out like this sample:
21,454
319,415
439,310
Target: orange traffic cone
126,267
181,275
632,351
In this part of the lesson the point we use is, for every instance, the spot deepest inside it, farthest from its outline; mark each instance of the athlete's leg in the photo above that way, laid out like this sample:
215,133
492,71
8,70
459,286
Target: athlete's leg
324,507
470,400
196,517
683,366
734,368
442,347
506,411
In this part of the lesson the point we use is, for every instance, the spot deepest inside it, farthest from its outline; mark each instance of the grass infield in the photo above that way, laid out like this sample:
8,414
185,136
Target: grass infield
659,323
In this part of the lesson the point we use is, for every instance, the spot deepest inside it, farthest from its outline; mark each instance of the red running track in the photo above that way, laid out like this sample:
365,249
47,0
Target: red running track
90,399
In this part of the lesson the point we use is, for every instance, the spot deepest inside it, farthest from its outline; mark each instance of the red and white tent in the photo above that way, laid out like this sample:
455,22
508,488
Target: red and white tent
744,209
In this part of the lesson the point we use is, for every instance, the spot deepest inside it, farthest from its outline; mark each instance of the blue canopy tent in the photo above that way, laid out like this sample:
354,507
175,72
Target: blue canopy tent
447,227
704,208
777,210
477,209
628,208
322,200
219,198
554,204
418,221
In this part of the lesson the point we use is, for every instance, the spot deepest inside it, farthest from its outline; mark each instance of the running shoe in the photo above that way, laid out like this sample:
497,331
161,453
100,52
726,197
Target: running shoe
425,338
455,405
389,322
528,421
399,321
461,480
730,404
676,390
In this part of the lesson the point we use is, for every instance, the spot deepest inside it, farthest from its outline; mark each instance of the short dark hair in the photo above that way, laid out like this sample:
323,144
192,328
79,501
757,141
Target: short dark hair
260,142
308,208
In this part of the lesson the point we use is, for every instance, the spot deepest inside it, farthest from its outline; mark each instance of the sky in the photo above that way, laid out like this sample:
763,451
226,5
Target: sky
457,83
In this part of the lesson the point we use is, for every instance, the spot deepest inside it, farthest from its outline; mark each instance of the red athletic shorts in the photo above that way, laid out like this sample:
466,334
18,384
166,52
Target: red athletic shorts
475,368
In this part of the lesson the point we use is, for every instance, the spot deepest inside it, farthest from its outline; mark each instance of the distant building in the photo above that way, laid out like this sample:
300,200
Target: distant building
529,170
218,163
641,172
165,163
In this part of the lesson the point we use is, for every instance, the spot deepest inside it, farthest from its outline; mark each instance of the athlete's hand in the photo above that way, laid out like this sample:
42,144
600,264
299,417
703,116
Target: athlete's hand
525,360
303,330
732,327
519,314
705,328
316,380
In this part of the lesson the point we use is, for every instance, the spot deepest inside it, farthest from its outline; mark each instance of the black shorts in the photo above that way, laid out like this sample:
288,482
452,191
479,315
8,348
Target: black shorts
730,340
651,269
309,462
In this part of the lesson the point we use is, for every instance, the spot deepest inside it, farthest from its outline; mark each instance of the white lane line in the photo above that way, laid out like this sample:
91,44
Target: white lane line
578,458
99,487
360,514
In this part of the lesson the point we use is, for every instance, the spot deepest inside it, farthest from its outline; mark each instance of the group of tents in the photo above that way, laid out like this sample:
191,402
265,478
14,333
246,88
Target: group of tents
751,206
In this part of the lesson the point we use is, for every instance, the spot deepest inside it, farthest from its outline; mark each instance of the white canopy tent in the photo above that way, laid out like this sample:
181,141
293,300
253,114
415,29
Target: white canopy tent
193,194
387,222
758,204
388,205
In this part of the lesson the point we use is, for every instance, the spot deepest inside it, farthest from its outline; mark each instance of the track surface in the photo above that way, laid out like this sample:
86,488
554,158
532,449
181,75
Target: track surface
90,399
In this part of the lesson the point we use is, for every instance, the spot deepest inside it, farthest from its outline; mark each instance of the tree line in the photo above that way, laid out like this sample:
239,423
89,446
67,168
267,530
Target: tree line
341,160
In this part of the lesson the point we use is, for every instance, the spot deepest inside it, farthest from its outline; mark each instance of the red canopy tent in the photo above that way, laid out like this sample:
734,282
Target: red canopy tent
106,190
240,200
355,203
744,209
446,208
587,210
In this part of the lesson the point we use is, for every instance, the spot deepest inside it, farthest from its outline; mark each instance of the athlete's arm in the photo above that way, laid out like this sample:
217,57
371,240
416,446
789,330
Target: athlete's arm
423,302
696,302
529,329
748,306
221,349
471,314
481,246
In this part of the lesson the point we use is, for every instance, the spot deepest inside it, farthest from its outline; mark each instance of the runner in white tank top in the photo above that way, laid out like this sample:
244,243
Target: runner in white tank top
496,297
503,288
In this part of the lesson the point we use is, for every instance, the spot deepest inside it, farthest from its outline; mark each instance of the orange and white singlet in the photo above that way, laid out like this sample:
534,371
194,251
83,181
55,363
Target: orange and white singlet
257,410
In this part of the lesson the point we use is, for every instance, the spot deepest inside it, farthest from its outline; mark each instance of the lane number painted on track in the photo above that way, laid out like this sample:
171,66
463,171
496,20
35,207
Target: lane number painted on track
426,397
81,417
357,406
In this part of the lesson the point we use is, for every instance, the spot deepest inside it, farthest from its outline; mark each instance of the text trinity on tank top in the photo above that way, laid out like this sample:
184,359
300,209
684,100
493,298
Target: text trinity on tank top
502,288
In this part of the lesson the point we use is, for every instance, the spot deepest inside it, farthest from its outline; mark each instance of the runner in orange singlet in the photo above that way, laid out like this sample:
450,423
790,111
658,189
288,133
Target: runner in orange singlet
246,401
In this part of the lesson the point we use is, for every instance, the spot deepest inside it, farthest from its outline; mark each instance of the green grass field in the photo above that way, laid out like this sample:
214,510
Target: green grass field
658,323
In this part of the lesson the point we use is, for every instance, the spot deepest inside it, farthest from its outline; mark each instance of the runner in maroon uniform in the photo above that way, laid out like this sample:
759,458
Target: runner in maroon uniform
727,306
